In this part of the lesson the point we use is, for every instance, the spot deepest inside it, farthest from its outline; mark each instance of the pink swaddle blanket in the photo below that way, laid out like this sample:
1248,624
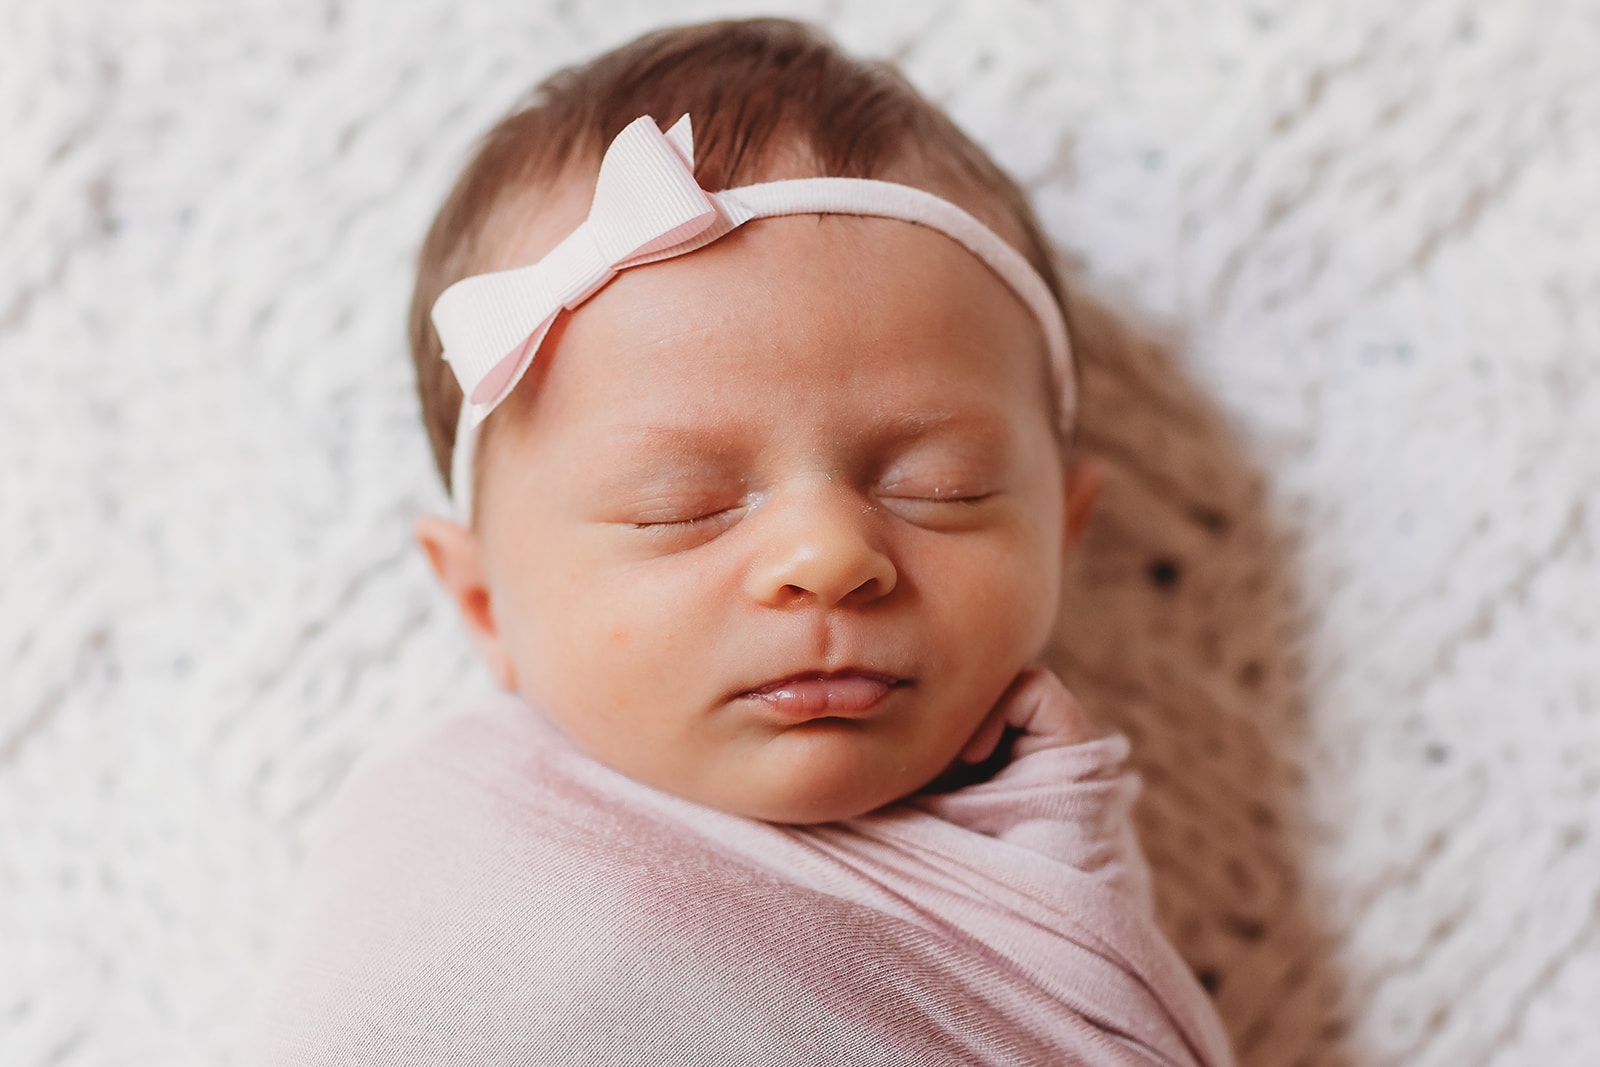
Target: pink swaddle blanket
485,893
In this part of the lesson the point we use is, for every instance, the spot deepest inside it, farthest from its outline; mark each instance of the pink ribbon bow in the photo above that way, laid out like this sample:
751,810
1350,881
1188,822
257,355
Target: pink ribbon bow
647,206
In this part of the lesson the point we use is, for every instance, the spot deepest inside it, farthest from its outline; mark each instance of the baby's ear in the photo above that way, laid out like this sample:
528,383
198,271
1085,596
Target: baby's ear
453,551
1083,480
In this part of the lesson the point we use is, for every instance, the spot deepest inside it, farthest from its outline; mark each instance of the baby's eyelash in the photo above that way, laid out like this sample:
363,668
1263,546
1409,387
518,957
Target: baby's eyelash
681,524
945,498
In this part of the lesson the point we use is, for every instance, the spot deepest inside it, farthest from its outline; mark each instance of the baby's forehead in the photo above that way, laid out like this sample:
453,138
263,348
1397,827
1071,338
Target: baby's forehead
876,328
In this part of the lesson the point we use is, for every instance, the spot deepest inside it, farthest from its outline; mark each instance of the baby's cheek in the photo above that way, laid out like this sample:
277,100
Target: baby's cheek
994,574
1009,605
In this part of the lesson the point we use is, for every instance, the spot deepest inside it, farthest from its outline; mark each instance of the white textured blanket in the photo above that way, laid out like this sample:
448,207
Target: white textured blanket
1340,268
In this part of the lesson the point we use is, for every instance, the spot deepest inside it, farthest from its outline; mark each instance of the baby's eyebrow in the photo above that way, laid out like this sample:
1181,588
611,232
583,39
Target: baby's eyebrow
983,427
646,457
688,445
674,441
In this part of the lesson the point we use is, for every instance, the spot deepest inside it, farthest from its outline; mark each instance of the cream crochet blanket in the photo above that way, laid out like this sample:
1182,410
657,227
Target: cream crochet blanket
1339,268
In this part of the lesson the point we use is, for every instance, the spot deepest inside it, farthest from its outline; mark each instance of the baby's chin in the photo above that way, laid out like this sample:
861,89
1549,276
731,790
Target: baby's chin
803,808
825,769
820,772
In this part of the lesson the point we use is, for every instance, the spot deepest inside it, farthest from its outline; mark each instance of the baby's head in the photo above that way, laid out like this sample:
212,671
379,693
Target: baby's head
773,524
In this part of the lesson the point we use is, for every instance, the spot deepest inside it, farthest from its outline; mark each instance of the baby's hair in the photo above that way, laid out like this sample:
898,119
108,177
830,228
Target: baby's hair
758,91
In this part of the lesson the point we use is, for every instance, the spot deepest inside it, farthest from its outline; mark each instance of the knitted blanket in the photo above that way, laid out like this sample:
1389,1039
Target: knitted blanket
1337,287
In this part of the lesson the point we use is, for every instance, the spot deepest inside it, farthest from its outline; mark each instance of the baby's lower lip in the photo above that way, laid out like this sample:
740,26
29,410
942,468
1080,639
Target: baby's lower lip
825,696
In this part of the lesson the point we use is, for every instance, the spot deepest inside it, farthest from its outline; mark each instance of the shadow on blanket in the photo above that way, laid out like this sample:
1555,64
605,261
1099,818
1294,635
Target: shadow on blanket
1180,630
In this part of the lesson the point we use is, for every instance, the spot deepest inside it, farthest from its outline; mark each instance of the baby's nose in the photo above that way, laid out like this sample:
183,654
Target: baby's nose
820,546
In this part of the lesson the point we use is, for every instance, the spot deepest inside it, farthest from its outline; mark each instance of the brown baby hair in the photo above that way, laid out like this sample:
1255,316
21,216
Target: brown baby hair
758,91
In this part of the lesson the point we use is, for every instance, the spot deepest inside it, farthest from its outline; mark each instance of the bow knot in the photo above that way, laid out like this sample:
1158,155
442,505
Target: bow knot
646,204
578,267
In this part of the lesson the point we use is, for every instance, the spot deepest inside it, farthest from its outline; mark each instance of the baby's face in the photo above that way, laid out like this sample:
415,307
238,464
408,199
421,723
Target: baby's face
771,526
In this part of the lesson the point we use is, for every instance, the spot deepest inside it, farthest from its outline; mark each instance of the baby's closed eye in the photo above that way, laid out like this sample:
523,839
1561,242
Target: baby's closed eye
683,517
946,511
662,493
937,492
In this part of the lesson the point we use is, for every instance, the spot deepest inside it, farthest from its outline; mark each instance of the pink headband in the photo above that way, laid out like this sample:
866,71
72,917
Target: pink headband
647,207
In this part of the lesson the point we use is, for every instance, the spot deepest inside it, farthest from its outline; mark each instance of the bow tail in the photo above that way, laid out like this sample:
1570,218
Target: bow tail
498,381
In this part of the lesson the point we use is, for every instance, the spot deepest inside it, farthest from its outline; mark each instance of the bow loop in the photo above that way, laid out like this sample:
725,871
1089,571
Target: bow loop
646,198
645,201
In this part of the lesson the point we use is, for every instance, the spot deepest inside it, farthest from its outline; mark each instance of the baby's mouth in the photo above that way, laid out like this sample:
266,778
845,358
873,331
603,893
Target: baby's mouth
826,694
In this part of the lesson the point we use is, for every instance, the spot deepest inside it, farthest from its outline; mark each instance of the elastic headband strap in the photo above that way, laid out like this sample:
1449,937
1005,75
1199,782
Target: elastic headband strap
647,207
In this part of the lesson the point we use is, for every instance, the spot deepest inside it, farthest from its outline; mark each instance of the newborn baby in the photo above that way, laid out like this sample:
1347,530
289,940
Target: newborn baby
763,491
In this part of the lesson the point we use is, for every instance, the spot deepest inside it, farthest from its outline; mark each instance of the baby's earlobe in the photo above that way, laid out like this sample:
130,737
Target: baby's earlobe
447,545
1084,477
452,551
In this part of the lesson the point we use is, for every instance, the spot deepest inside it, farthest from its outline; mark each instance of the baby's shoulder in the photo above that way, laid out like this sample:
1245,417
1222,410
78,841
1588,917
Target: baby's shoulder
443,789
480,742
